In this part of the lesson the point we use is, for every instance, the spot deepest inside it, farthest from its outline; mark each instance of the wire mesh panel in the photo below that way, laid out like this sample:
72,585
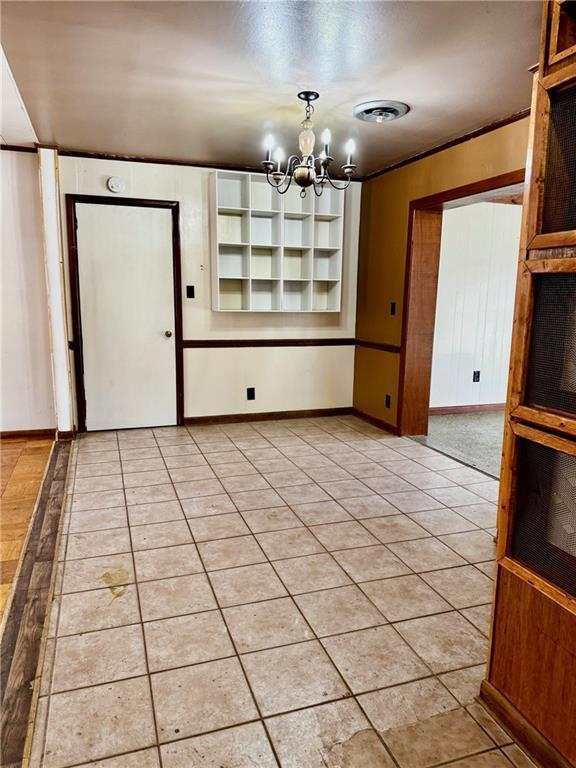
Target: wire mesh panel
559,211
544,529
551,381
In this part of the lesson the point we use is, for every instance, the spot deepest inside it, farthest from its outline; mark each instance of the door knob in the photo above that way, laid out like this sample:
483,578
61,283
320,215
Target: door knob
168,334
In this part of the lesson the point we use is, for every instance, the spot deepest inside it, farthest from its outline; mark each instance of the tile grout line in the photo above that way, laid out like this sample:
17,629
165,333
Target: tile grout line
252,534
320,644
142,634
234,646
289,557
430,676
335,666
433,674
325,651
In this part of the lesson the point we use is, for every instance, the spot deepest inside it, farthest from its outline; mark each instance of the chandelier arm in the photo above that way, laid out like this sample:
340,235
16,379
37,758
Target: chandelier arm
274,184
283,184
293,161
287,187
334,185
286,178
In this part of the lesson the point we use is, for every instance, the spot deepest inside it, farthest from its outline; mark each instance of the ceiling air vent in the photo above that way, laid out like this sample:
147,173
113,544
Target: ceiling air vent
381,111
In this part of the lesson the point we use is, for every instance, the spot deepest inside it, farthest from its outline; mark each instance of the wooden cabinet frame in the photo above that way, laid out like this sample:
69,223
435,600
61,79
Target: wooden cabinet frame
532,235
531,674
556,57
518,409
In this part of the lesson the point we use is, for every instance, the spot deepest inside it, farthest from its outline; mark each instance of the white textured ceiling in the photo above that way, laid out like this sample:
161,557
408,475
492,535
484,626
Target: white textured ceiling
15,125
203,81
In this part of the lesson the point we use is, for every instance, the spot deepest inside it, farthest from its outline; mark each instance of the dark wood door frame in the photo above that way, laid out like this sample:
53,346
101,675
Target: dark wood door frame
76,345
420,290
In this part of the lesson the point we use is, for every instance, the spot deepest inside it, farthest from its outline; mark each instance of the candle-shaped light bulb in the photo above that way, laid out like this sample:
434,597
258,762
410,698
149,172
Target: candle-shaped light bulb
326,136
268,146
279,157
350,148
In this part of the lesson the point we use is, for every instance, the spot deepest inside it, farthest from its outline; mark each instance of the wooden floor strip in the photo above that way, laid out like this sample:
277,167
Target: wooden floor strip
23,465
21,639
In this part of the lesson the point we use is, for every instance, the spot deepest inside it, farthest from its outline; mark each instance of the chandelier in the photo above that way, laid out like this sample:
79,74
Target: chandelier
308,170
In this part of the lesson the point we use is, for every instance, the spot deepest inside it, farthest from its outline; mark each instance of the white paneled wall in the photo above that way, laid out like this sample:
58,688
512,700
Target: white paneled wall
477,279
27,401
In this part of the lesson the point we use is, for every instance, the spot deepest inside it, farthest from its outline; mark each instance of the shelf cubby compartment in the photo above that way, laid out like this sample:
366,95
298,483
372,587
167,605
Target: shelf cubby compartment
233,228
263,197
265,263
327,264
296,296
326,296
293,203
233,190
330,202
234,294
327,233
266,296
233,261
272,252
297,264
265,228
298,230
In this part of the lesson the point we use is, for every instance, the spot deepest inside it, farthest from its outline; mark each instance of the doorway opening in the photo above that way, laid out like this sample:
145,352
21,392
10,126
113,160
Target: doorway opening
462,265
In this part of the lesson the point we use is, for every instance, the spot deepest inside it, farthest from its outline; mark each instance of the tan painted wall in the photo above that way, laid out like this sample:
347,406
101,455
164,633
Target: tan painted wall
375,375
383,242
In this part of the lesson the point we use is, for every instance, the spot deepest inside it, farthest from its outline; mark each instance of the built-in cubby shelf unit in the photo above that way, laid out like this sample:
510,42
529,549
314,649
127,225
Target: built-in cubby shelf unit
272,252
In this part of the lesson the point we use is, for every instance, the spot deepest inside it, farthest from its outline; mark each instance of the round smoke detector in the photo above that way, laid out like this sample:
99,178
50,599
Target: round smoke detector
381,111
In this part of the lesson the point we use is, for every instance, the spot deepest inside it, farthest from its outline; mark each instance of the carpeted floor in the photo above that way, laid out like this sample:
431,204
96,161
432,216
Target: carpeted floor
473,438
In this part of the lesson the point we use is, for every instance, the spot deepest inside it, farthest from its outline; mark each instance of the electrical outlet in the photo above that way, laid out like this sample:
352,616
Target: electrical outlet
476,376
388,401
189,291
251,393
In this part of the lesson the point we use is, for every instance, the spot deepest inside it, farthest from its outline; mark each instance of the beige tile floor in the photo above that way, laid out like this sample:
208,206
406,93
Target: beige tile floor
304,593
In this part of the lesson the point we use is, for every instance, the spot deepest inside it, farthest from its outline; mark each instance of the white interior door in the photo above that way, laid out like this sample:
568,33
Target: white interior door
125,272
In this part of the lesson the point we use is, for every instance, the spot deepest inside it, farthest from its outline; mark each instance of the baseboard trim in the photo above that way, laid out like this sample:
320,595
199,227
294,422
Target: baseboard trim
521,729
375,421
267,416
281,415
65,436
24,433
448,409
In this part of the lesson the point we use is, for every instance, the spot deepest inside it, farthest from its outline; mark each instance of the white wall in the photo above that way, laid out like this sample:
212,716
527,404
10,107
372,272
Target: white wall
285,378
474,310
27,394
215,380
